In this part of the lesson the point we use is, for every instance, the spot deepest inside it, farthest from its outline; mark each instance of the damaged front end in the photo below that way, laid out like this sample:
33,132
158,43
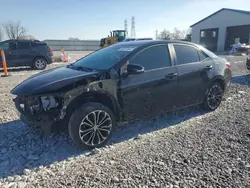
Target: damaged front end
41,111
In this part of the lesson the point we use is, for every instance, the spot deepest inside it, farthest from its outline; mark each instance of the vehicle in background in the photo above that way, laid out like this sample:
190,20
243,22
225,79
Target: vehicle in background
33,53
123,82
115,36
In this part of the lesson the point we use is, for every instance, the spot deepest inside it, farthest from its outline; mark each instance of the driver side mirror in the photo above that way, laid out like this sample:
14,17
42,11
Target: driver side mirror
134,69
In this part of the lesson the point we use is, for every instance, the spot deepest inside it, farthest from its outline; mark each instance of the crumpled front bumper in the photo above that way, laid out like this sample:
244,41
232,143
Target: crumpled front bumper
31,121
37,118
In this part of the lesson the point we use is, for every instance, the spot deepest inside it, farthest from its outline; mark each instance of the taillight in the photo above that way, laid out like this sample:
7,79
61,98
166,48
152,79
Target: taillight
50,49
228,65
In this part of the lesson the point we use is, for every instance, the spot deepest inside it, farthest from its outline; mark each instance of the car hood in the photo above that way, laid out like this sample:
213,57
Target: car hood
50,80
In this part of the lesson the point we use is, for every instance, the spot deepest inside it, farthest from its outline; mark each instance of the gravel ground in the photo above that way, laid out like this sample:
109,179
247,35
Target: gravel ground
188,148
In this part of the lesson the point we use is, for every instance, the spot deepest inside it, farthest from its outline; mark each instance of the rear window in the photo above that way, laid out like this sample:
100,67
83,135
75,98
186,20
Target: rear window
23,45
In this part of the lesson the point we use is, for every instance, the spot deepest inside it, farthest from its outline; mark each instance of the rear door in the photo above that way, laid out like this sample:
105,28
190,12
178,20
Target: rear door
25,53
11,53
195,70
153,91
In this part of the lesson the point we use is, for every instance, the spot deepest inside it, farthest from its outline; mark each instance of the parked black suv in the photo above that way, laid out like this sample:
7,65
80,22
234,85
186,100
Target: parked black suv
31,53
123,82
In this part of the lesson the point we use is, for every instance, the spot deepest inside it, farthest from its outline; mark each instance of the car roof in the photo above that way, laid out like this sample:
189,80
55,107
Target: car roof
144,38
145,43
22,40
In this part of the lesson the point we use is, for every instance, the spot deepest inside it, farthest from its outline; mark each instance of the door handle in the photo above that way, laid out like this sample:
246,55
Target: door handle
9,53
209,67
171,75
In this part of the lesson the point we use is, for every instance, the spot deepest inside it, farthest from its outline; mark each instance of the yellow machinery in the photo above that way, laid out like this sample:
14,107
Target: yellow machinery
115,36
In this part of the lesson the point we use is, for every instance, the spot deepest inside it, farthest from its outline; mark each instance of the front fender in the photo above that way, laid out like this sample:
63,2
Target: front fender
104,88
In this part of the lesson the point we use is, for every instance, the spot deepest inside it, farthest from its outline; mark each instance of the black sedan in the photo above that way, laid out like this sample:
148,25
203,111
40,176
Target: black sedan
123,82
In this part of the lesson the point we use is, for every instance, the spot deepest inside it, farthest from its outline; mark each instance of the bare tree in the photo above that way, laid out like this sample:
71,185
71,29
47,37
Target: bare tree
165,35
188,34
178,34
14,29
27,37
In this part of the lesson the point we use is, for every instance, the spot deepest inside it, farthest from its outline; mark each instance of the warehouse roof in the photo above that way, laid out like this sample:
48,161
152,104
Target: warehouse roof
233,10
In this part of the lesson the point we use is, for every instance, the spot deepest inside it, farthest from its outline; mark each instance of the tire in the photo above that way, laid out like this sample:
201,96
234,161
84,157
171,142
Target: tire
85,113
39,63
215,93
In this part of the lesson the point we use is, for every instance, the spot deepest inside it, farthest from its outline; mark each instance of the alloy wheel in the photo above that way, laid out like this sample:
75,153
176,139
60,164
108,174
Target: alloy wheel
40,63
95,128
214,96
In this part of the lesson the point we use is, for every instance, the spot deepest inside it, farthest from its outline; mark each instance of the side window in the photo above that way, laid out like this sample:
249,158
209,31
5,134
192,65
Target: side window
153,57
12,46
202,56
186,54
4,46
23,45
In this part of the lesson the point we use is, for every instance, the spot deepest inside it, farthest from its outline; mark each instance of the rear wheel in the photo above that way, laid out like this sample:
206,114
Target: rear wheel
213,97
91,125
39,63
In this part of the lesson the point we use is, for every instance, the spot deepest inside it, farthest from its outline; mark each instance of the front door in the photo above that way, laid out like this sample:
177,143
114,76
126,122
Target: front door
153,91
195,70
11,53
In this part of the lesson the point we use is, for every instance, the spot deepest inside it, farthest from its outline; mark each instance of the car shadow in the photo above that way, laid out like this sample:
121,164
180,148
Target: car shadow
23,148
242,79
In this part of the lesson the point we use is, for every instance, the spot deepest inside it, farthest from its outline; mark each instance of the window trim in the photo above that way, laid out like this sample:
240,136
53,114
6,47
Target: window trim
167,48
189,45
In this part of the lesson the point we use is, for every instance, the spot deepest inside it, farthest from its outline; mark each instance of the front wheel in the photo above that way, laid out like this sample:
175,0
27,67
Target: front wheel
213,97
91,125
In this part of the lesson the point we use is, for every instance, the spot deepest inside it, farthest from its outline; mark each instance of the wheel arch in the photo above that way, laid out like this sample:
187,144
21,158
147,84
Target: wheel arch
101,97
220,80
40,56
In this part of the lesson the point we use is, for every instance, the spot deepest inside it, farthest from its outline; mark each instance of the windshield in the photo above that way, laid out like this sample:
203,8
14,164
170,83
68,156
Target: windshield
105,58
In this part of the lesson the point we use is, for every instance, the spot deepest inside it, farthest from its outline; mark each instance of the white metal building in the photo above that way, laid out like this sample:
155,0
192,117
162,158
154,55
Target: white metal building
222,29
